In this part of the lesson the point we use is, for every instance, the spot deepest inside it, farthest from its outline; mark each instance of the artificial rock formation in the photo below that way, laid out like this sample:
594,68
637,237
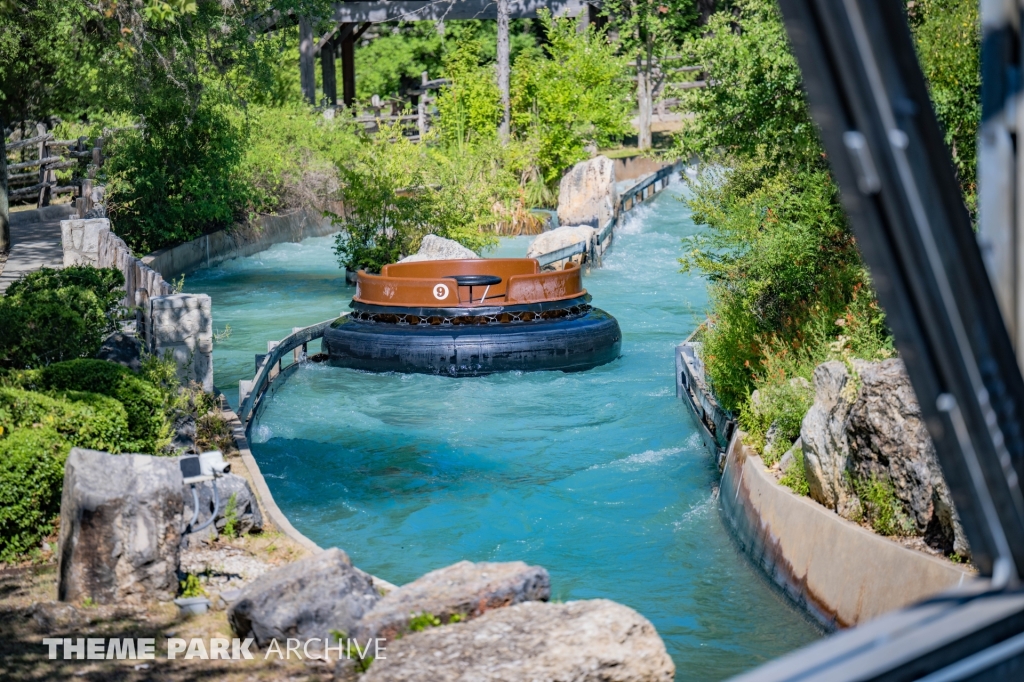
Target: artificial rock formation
465,589
438,248
582,641
825,443
120,528
587,193
304,600
865,425
888,438
124,349
559,238
246,510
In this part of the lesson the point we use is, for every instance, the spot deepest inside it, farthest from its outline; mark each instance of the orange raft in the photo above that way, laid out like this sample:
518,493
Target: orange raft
472,317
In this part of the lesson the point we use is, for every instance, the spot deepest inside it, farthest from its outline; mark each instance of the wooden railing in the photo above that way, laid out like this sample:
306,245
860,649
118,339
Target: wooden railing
36,178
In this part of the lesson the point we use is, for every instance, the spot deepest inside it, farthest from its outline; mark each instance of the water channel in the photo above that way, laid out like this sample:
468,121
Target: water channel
598,476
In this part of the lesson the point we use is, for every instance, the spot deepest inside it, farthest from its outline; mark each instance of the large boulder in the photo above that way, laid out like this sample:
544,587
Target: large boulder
825,443
124,349
465,589
888,439
120,528
438,248
559,238
246,510
304,600
587,193
583,641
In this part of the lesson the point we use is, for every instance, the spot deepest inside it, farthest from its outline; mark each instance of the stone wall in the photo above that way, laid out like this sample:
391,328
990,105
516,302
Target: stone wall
840,573
179,323
239,241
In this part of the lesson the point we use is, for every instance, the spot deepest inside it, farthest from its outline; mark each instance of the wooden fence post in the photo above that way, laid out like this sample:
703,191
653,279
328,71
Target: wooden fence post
44,191
421,107
5,217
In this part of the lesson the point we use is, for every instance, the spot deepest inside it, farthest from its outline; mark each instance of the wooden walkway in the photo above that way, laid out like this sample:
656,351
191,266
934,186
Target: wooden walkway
35,244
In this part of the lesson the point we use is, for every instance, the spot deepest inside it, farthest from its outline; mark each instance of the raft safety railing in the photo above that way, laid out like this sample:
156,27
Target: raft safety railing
270,367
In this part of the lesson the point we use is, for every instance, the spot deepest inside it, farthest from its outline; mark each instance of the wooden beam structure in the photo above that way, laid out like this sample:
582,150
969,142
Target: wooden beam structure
347,16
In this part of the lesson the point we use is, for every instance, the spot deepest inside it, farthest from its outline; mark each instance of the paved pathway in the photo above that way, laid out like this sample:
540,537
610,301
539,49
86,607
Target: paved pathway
33,246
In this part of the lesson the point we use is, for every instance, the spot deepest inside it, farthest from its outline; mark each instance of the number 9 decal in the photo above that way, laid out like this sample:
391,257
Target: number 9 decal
441,291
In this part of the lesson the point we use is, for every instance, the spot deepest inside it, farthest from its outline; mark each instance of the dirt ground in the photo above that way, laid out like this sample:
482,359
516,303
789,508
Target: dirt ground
29,612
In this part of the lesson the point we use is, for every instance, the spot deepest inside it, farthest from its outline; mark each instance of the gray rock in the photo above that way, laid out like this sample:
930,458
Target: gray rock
304,600
438,248
587,193
559,238
123,349
786,461
120,528
888,439
825,443
248,518
583,641
465,588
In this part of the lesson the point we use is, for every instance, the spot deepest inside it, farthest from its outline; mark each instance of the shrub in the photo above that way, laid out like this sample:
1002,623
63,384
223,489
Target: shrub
881,508
148,429
781,405
176,178
86,420
50,316
31,478
795,476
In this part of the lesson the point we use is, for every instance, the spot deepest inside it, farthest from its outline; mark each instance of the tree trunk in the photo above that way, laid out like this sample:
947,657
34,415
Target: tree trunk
5,218
307,60
504,130
644,103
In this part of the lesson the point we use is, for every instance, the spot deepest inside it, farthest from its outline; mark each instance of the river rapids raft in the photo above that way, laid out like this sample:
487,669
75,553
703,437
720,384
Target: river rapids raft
472,317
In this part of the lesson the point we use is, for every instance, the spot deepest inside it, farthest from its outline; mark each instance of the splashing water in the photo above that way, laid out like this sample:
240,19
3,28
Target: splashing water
599,476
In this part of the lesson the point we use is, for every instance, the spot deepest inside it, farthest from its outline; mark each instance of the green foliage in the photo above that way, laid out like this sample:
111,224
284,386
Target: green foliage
191,587
54,315
782,405
31,474
292,158
755,107
176,178
83,419
783,269
231,516
471,105
395,192
795,475
423,621
144,403
948,38
575,97
881,508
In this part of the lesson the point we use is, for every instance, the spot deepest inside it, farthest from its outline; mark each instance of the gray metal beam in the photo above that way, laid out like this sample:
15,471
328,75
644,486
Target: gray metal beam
377,11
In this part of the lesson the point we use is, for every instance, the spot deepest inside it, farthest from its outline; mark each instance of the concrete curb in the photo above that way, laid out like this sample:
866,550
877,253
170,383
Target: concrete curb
266,499
835,570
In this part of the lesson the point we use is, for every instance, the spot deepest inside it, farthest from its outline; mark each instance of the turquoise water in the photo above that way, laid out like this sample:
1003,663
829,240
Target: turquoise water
598,476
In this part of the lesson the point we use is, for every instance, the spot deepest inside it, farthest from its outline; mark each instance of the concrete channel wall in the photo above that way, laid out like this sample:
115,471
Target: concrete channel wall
840,573
238,241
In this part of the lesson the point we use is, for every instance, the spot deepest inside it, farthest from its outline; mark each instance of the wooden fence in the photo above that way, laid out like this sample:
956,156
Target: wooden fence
35,178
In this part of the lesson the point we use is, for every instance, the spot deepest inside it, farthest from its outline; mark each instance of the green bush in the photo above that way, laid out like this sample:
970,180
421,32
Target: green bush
31,477
795,476
782,405
54,315
144,403
176,178
85,420
881,508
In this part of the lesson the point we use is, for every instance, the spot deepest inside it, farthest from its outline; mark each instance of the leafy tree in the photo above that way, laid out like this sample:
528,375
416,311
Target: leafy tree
649,33
948,38
574,98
